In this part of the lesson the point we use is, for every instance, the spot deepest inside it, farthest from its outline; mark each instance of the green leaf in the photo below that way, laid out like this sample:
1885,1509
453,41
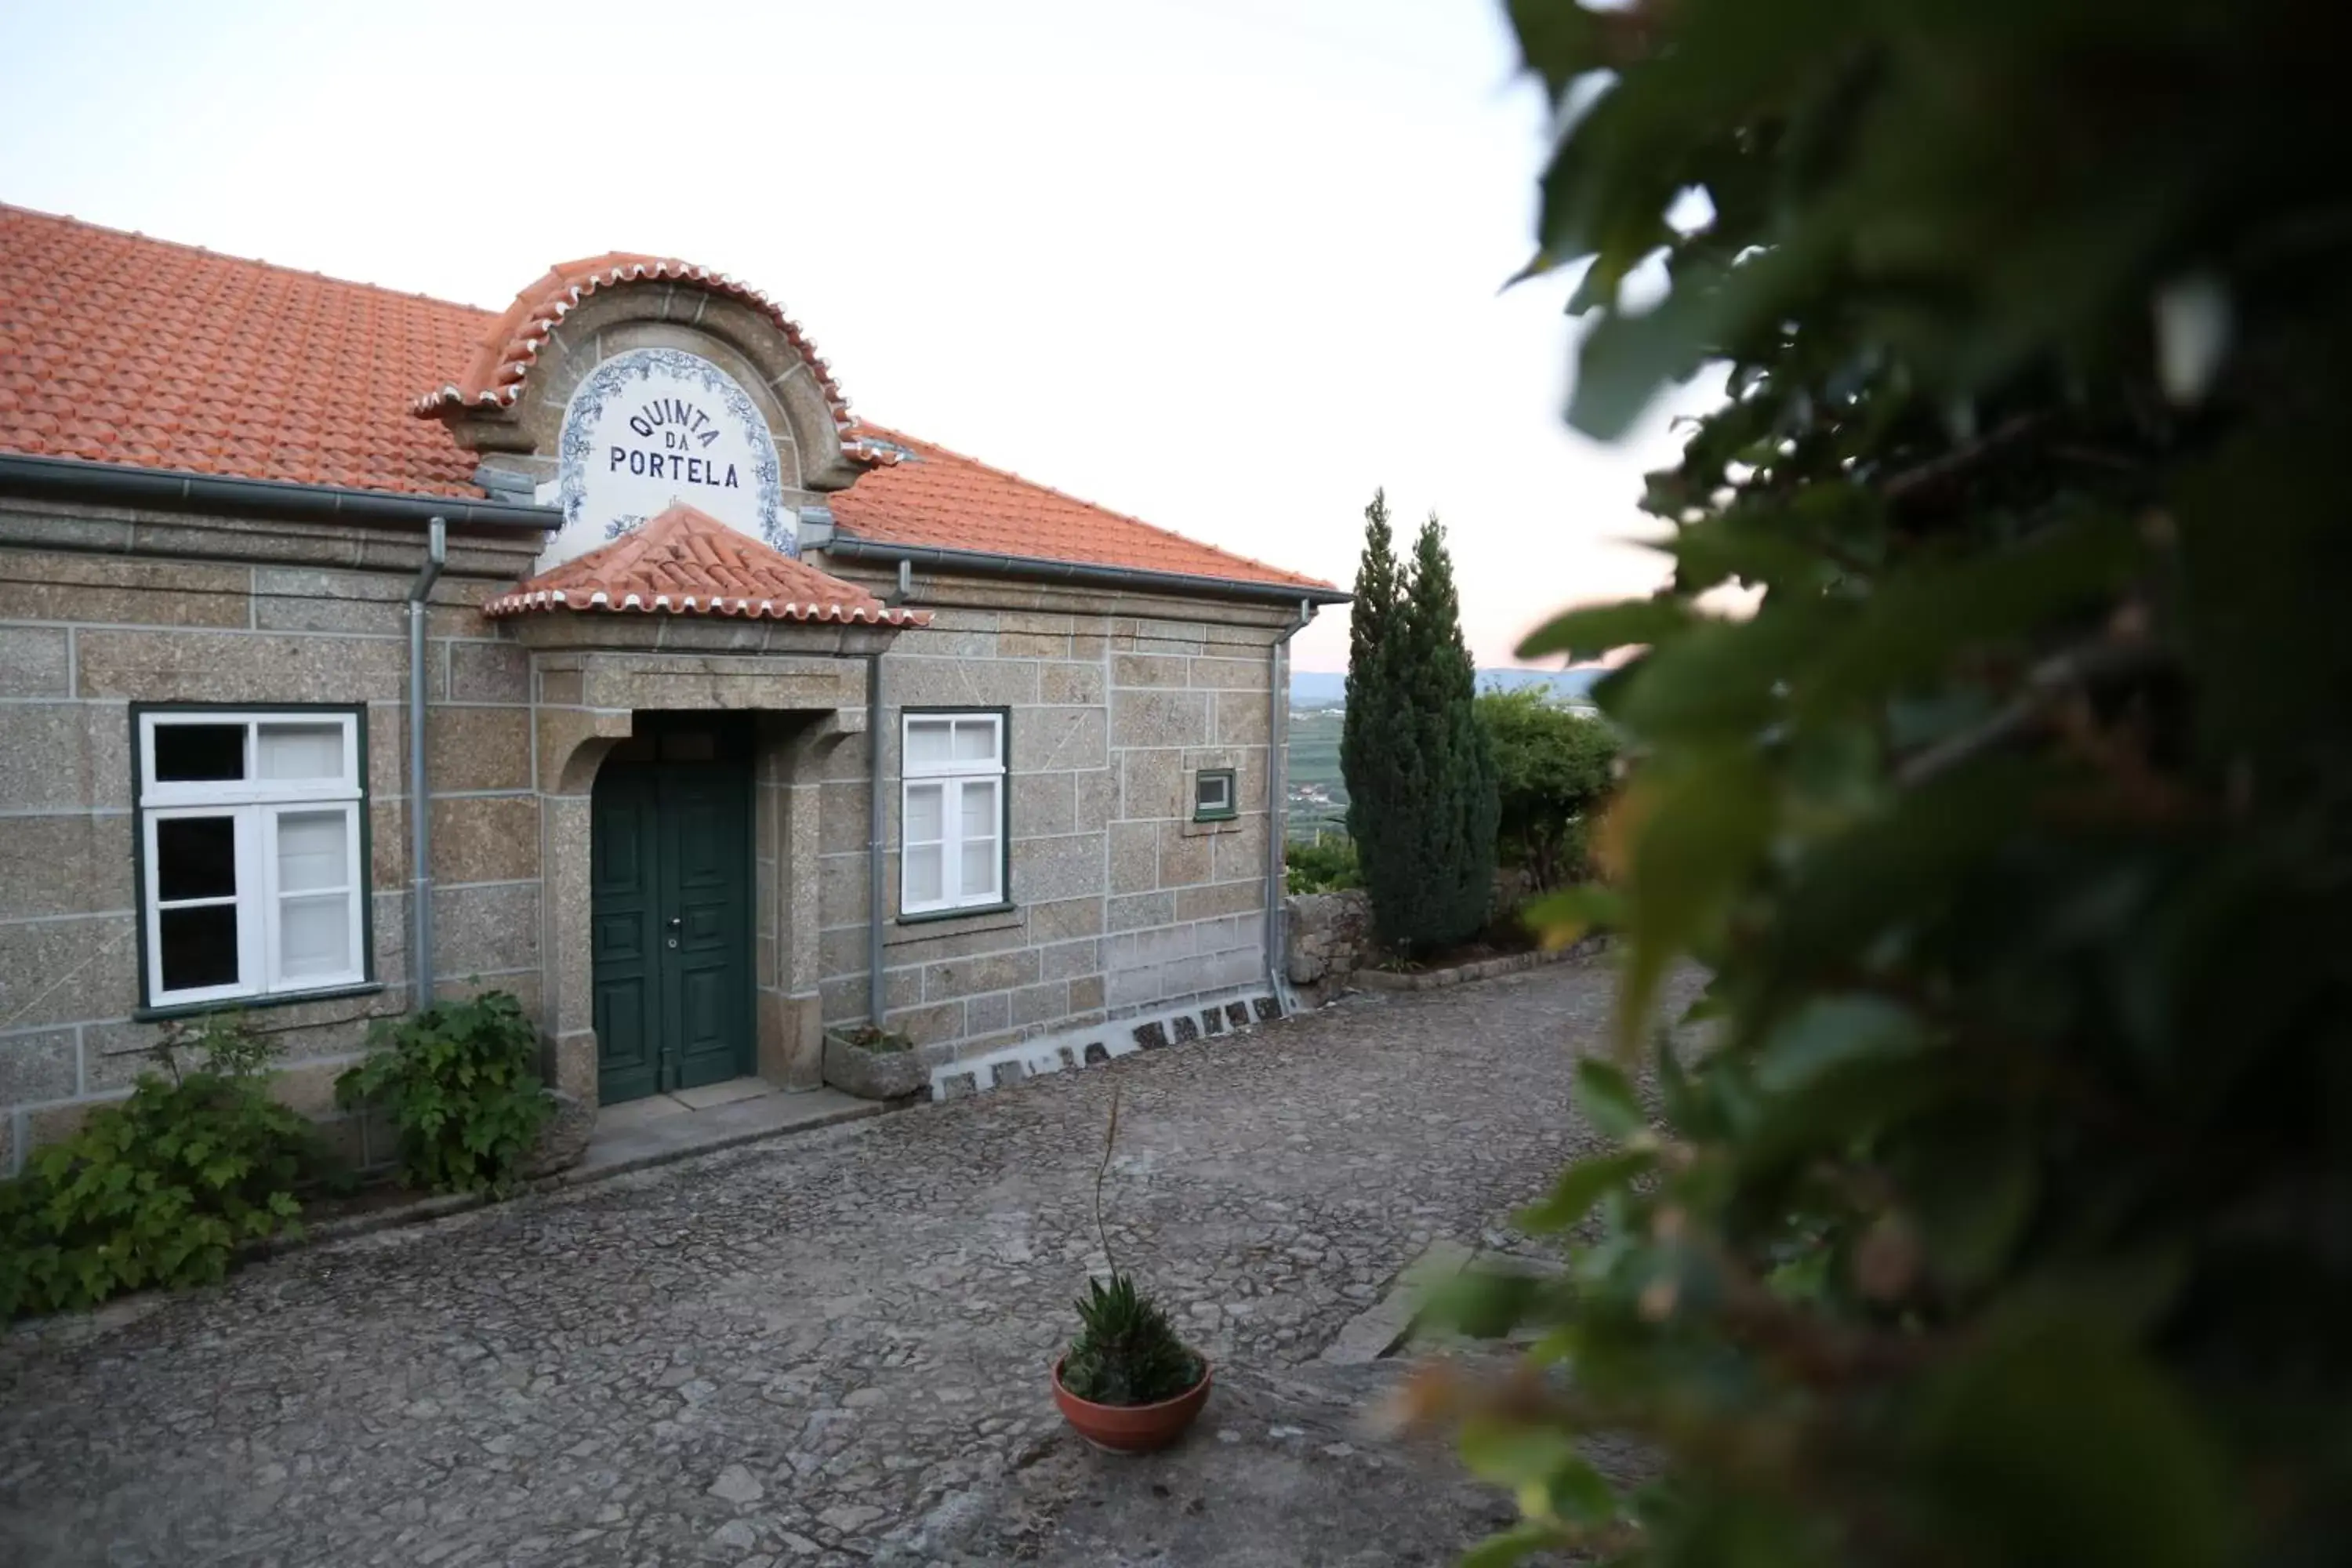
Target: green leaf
1560,918
1606,1097
1513,1453
1828,1031
1970,1183
1588,634
1581,1186
2058,1447
1514,1545
1698,829
1626,360
1580,1494
1484,1304
1915,623
1845,1101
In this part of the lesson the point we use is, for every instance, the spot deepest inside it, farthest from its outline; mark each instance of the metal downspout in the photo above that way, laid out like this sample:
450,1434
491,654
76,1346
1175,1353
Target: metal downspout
877,987
1277,808
420,807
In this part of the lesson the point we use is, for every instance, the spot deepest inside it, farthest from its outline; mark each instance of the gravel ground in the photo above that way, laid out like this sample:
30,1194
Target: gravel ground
833,1348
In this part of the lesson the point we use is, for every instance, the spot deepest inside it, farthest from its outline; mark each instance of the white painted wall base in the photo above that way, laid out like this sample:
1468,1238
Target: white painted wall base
1201,1018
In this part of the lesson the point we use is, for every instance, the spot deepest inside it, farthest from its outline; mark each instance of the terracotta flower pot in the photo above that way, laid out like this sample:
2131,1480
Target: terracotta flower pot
1132,1428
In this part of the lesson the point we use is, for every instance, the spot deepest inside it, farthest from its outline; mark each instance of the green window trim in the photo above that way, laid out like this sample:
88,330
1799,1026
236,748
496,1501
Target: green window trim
1217,794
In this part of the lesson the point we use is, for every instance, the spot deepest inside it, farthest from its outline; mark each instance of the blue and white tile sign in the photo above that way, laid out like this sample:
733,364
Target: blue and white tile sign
651,427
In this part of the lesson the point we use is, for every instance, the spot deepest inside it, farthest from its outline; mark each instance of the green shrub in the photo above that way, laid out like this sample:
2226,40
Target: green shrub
1552,769
161,1189
1127,1353
1322,865
460,1083
2001,1216
1420,771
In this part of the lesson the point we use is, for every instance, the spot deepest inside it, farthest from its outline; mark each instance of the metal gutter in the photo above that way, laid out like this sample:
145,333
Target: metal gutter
75,479
420,805
982,563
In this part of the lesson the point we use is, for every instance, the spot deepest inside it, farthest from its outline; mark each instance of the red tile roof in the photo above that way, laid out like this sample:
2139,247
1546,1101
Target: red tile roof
943,499
117,348
688,562
495,375
121,349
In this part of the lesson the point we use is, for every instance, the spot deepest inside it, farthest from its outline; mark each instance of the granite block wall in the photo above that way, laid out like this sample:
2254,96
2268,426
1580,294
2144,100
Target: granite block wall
1121,902
99,610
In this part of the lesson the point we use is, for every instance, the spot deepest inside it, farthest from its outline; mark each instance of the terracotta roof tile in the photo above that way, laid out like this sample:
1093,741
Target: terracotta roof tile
501,364
943,499
117,348
688,563
226,349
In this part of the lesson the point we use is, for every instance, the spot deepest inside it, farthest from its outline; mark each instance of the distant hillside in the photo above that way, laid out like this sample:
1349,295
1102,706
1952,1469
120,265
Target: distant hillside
1318,689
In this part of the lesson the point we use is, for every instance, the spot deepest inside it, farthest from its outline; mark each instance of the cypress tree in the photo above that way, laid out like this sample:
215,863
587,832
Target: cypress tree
1371,615
1437,869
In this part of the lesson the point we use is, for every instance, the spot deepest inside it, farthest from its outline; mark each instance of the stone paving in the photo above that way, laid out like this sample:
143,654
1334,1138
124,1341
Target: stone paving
833,1348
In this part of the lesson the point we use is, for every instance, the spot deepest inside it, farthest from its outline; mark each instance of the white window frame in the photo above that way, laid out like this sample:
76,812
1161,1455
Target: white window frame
1226,810
256,805
950,777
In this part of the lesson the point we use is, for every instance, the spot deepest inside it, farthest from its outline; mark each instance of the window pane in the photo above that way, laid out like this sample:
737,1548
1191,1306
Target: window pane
923,867
979,867
925,803
313,850
194,754
979,809
975,740
301,752
927,741
198,946
195,858
314,936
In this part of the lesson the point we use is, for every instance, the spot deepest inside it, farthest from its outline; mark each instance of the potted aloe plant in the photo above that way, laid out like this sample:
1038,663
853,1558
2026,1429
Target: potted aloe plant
1127,1382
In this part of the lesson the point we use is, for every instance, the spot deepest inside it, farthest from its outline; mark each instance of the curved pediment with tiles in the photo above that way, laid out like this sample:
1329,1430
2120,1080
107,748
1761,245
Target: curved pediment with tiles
620,386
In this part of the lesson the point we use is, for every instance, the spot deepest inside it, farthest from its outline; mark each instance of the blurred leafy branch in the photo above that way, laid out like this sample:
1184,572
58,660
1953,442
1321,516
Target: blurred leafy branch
2001,1212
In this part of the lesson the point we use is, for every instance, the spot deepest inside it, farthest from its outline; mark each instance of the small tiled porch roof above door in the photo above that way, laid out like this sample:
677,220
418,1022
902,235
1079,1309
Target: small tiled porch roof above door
686,562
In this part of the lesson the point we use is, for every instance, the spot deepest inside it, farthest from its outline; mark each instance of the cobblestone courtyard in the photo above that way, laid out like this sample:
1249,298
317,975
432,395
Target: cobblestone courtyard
833,1348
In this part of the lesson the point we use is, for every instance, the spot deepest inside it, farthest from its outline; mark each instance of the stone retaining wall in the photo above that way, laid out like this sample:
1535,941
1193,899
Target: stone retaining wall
1328,939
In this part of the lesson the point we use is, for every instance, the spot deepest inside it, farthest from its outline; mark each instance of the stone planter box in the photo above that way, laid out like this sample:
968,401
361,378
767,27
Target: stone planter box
878,1075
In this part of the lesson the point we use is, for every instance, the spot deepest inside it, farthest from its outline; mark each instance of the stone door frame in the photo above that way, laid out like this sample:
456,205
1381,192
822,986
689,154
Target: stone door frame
584,701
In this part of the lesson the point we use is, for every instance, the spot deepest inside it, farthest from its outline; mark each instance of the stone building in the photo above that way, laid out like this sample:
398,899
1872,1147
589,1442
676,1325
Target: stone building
741,719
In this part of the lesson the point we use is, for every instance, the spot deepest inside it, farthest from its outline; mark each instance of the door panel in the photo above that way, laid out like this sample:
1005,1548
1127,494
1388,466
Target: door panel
625,959
707,854
670,889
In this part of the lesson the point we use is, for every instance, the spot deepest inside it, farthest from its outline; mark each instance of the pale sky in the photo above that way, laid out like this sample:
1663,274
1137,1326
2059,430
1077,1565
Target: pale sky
1227,265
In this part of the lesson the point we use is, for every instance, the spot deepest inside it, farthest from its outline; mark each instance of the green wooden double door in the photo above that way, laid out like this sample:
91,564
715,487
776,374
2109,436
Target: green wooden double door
670,908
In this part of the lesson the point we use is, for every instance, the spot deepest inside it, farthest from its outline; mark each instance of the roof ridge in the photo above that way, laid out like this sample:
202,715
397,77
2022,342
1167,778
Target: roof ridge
193,249
893,434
